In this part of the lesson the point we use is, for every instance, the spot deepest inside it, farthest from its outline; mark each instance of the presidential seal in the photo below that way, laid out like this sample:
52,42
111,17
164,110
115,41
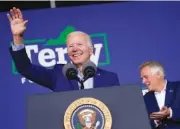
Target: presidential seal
87,113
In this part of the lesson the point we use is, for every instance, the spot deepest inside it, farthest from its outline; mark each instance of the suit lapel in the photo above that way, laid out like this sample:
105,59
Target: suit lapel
74,84
169,94
153,103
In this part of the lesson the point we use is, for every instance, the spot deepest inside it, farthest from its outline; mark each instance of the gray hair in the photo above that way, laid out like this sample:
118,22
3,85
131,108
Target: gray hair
89,41
155,67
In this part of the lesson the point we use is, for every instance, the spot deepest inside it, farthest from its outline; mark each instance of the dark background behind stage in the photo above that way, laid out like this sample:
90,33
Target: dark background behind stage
124,34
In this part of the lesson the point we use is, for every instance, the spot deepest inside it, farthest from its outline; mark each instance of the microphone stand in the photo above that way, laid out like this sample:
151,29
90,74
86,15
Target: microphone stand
82,81
82,84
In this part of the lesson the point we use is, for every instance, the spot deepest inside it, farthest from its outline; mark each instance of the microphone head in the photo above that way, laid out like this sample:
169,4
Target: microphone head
89,70
69,70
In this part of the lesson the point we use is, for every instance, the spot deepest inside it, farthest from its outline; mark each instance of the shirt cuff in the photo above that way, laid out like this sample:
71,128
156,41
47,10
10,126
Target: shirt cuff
17,47
157,122
171,113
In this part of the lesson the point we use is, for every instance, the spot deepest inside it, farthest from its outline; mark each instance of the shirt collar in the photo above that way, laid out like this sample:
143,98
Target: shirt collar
80,75
164,89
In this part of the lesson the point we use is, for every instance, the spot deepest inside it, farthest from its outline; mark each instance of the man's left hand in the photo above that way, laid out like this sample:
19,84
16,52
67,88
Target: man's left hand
163,113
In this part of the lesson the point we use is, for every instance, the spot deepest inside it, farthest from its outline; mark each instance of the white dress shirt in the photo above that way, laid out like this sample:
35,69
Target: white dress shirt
88,84
160,96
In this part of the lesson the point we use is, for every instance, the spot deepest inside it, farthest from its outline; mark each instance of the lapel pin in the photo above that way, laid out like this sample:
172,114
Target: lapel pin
170,90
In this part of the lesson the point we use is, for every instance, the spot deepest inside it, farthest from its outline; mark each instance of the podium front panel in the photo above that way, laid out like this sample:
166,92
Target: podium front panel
126,104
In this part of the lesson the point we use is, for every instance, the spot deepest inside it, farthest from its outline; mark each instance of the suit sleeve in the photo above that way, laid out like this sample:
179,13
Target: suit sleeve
35,73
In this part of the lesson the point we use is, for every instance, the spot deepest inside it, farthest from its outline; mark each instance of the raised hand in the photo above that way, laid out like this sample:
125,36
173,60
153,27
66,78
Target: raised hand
18,24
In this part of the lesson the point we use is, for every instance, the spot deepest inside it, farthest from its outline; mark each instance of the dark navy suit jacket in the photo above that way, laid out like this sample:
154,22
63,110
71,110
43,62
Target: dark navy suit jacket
54,78
172,99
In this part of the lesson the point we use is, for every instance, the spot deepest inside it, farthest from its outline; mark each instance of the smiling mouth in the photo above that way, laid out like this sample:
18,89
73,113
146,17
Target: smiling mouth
76,55
148,85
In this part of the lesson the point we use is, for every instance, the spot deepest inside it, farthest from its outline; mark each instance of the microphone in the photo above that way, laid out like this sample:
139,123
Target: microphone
89,70
70,71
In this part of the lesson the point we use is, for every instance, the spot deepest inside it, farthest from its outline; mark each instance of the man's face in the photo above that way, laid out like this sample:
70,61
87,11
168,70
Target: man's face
78,49
150,79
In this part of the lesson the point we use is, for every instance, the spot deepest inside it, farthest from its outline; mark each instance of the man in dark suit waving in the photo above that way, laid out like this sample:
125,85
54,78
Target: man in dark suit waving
163,99
79,47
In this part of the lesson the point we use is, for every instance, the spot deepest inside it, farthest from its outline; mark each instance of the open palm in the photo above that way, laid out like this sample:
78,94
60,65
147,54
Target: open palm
18,24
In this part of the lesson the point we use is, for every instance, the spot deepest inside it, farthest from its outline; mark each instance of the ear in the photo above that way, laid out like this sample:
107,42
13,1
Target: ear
158,74
91,50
